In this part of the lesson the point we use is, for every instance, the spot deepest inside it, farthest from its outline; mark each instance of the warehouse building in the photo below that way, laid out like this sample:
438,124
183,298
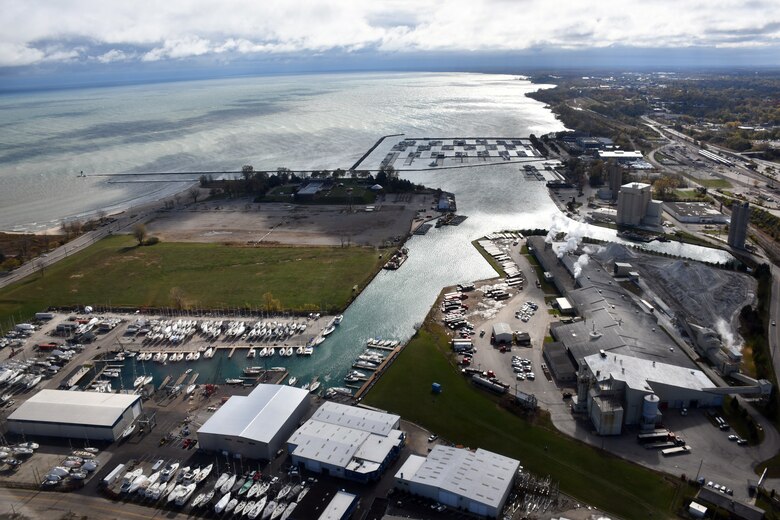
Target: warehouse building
77,415
255,426
695,213
476,481
347,441
502,333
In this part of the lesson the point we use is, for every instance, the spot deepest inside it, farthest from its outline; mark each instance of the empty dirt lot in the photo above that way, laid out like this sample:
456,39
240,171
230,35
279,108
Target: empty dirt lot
243,221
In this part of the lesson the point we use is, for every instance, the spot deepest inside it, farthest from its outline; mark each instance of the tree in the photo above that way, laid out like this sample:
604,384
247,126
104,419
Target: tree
665,186
194,193
139,232
247,171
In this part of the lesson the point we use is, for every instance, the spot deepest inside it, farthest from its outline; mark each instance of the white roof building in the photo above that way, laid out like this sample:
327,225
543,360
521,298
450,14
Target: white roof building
477,481
347,441
255,425
62,413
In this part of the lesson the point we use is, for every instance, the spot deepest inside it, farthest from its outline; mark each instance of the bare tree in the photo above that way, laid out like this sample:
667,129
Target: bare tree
139,232
194,193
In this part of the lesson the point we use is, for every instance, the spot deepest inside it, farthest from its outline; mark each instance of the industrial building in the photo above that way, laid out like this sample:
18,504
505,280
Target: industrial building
621,156
255,426
559,363
502,333
695,213
622,390
347,441
636,206
740,218
76,415
476,481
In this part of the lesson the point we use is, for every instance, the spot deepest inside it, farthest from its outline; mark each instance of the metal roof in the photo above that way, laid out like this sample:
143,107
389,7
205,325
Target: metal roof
81,408
257,416
348,437
641,374
357,418
481,476
338,506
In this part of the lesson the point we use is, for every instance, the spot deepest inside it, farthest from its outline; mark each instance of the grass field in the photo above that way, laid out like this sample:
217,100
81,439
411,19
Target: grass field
467,416
713,183
116,272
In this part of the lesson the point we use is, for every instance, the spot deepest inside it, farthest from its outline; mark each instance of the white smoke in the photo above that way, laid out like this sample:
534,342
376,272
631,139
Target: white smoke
727,336
581,262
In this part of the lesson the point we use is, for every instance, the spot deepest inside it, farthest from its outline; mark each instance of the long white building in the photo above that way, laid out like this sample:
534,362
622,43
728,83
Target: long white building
76,415
347,442
478,481
255,426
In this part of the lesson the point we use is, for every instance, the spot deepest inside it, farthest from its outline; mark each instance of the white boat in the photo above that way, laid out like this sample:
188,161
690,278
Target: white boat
308,351
204,473
253,490
277,512
163,357
221,480
290,508
158,357
148,379
182,473
154,490
185,494
269,509
228,484
283,492
328,331
299,351
314,386
240,508
222,504
292,381
263,489
128,431
190,389
337,319
302,494
252,353
169,472
190,356
198,500
317,341
209,353
288,352
233,381
137,483
138,381
195,356
231,505
34,381
248,507
264,352
174,495
258,508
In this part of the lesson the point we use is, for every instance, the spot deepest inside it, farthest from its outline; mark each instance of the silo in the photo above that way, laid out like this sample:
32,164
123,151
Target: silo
649,411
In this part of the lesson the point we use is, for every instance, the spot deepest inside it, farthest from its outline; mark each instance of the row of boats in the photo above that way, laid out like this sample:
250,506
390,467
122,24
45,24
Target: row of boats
178,331
251,497
76,466
173,484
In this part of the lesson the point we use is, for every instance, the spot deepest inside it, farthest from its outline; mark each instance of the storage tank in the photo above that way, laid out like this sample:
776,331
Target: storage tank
650,408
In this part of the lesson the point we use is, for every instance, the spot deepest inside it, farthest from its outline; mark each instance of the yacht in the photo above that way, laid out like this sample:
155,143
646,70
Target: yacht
222,504
252,353
292,381
337,319
138,381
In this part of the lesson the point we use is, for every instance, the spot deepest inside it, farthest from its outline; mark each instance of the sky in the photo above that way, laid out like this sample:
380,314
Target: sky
45,37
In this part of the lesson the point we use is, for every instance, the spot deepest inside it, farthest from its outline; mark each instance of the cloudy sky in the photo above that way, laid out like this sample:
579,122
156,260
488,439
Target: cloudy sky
58,34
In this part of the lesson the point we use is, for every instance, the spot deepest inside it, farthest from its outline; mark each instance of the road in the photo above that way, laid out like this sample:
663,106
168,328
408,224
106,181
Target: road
48,505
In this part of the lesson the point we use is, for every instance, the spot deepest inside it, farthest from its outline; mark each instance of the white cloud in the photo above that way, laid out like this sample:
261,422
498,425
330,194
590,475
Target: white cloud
177,29
115,55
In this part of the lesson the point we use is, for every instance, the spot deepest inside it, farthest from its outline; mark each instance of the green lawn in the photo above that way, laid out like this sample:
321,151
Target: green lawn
116,272
713,183
467,416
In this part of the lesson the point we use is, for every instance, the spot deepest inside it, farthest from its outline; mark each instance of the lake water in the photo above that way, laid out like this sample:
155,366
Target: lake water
299,122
